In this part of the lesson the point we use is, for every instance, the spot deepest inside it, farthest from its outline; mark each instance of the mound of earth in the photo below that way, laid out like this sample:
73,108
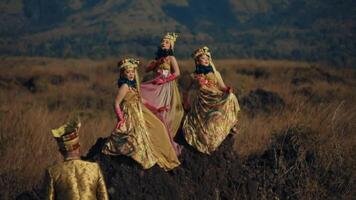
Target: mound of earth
286,170
261,101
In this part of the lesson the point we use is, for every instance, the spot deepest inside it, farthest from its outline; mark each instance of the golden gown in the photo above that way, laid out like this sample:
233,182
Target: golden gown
213,113
142,137
73,180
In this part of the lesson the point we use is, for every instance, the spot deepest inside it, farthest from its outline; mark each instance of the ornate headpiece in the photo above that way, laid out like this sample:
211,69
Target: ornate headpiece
128,63
67,135
172,37
201,51
206,51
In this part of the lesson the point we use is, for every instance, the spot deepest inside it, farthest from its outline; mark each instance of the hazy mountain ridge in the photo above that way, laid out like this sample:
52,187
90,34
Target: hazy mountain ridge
289,29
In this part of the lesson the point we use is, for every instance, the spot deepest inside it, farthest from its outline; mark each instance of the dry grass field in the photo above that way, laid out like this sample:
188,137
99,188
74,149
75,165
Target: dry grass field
312,103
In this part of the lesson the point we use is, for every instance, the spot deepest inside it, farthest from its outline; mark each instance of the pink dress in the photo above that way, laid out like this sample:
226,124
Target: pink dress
167,95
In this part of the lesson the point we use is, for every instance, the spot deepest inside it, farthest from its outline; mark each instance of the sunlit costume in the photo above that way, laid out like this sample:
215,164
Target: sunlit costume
142,136
74,178
214,110
161,91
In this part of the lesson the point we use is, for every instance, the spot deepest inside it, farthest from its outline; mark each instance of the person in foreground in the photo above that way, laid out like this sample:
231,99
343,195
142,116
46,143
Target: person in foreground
74,178
138,132
161,94
214,110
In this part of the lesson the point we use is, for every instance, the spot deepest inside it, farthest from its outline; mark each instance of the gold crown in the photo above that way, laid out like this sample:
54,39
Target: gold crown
172,37
128,63
201,51
67,135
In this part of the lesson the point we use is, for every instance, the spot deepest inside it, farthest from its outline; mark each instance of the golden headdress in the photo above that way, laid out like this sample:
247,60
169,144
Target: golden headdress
206,51
67,135
201,51
172,37
128,63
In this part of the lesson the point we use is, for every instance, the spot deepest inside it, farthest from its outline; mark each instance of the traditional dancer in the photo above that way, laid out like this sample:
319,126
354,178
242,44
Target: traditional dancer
161,94
138,133
214,110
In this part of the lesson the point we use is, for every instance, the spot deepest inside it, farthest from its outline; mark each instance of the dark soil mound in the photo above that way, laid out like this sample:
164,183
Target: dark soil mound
199,177
261,101
288,169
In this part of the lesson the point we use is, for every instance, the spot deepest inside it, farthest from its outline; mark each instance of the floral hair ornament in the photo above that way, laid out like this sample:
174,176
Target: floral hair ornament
172,37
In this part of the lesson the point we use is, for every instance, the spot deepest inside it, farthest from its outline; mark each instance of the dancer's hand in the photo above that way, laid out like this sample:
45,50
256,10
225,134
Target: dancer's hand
163,109
159,81
229,89
120,117
171,77
120,123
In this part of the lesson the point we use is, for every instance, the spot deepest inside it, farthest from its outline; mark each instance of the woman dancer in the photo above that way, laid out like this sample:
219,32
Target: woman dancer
214,111
138,133
161,94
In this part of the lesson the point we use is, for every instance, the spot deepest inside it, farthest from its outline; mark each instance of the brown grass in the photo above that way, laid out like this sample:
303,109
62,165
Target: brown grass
88,87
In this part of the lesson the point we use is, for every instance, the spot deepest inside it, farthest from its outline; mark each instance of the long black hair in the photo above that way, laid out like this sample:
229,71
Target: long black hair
160,53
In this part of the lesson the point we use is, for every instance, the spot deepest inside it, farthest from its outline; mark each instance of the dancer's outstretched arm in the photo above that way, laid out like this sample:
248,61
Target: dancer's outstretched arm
123,89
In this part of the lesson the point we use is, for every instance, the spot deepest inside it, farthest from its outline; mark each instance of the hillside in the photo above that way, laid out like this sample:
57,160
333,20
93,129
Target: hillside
311,30
296,136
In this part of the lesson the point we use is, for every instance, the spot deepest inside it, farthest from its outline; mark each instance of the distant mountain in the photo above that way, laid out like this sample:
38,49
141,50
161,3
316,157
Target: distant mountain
314,30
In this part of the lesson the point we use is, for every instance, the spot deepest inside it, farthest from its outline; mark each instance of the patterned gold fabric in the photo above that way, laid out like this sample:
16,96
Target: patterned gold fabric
212,115
161,146
75,180
142,137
